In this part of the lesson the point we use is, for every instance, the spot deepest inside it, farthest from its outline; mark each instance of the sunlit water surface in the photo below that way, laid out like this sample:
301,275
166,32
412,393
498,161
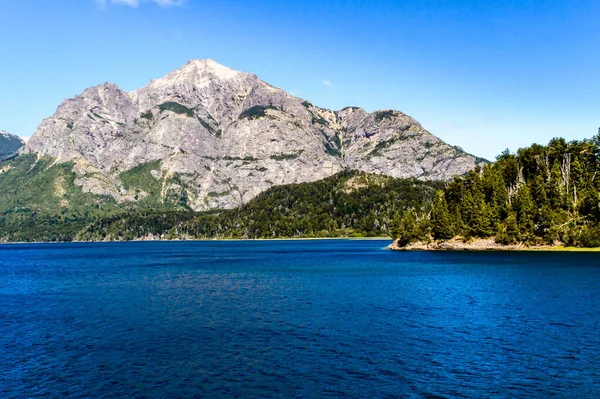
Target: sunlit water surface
302,319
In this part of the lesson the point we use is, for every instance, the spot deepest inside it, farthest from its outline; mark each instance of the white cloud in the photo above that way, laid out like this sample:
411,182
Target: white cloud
135,3
326,83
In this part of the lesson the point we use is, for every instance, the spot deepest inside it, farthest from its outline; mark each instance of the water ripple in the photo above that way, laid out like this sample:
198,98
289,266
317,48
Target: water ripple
333,319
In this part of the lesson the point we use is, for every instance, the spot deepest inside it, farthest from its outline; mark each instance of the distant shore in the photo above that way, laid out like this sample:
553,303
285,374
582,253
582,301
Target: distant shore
197,239
483,244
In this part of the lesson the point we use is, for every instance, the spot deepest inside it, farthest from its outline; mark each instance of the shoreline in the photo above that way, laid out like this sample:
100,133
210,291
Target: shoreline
196,240
484,245
453,245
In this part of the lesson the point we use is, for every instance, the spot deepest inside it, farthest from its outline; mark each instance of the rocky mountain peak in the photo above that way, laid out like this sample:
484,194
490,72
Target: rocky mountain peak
209,67
187,84
219,137
9,143
196,72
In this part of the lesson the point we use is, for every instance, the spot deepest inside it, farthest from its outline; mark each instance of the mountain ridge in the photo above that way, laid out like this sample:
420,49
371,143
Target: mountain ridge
221,137
9,144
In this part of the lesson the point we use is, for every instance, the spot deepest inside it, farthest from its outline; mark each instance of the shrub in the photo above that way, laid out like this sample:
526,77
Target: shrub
381,115
147,115
177,108
258,111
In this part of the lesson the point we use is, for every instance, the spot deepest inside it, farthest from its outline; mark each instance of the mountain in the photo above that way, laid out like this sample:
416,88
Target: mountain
206,136
9,144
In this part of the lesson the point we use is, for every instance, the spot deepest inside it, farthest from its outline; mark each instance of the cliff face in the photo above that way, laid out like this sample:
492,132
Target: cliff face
220,137
9,144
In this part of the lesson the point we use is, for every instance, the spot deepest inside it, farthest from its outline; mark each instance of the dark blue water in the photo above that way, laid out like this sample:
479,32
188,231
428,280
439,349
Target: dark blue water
295,319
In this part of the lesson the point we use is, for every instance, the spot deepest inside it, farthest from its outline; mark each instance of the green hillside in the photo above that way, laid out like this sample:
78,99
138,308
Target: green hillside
344,205
39,201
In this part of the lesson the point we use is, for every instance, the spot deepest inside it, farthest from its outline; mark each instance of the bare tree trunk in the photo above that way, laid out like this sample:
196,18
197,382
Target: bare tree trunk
565,169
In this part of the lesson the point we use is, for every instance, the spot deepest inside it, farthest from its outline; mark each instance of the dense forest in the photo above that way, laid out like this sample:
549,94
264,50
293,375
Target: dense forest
348,204
540,195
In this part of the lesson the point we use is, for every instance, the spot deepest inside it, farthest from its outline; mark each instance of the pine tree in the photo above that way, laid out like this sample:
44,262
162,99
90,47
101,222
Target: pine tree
406,229
508,232
524,207
555,187
538,191
512,228
546,219
441,224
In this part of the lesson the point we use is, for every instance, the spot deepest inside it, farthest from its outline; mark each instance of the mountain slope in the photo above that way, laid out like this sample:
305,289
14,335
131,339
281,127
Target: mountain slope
211,137
9,144
349,203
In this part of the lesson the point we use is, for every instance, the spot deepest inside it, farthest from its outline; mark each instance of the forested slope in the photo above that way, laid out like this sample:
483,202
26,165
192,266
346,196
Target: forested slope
540,195
347,204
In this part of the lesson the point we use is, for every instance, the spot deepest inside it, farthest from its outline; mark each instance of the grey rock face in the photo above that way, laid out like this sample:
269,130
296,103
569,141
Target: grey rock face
228,136
9,144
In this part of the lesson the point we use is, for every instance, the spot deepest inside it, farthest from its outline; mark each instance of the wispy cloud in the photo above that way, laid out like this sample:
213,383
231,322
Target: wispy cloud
326,83
135,3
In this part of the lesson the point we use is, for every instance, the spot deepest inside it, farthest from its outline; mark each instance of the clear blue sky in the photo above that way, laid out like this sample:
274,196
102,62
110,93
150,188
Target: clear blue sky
484,75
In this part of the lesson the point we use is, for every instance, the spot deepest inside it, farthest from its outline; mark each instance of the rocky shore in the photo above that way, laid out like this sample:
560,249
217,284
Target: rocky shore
476,244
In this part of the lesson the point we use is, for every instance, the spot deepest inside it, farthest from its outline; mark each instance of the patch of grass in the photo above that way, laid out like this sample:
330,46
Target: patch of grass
317,119
256,112
97,116
284,157
214,194
381,115
177,108
179,196
215,132
140,178
158,195
333,146
147,115
331,150
384,144
248,158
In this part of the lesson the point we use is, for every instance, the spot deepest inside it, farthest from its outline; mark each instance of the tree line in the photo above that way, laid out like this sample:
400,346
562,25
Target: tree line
540,195
348,204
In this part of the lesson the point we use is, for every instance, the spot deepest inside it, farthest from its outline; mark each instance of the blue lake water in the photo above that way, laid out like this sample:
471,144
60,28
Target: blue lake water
295,319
